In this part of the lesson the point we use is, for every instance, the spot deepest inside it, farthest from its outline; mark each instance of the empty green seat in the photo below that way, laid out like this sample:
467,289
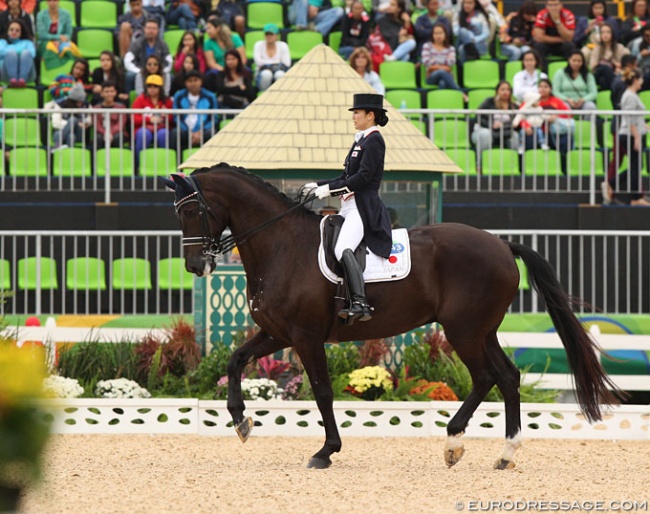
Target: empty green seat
173,38
250,38
131,274
121,162
480,74
465,158
497,161
511,69
28,162
92,42
5,275
334,40
398,75
476,96
259,14
157,161
404,98
300,43
579,163
542,162
98,14
451,133
71,162
20,98
523,274
29,269
173,275
85,274
22,131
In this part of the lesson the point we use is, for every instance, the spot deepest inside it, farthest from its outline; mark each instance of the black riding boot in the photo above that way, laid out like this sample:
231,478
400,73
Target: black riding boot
359,307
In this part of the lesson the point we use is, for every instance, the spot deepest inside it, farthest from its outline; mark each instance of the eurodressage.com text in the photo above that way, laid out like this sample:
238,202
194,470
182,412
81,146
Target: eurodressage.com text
552,506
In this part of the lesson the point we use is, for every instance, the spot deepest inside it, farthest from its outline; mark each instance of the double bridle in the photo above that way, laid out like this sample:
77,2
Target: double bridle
211,246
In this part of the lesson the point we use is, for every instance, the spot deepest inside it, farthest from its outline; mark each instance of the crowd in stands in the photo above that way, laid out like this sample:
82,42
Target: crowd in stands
209,65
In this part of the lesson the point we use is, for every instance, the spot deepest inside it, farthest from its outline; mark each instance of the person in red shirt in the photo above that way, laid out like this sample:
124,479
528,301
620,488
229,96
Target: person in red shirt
26,5
554,29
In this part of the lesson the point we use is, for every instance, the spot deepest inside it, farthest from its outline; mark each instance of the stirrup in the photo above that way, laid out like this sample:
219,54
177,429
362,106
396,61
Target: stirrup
357,310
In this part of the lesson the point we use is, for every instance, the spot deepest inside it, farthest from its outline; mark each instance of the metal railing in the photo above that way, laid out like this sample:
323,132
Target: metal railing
608,269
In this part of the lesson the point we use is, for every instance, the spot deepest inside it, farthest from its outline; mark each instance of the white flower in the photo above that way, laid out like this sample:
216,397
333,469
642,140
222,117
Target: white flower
261,389
120,388
55,386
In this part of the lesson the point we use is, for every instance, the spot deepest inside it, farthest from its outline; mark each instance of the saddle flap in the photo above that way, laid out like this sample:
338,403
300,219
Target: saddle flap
331,229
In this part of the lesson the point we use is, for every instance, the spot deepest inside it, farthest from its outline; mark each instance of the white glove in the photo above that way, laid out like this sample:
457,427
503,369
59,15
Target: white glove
308,188
322,191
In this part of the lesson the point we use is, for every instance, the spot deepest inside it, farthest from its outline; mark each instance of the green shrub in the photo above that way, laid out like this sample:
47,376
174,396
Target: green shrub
342,358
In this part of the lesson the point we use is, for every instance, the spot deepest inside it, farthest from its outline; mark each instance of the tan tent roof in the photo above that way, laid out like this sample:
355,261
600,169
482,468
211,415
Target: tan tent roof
302,123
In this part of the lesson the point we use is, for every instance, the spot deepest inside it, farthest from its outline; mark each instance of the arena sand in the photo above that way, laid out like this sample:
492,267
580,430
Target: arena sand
198,474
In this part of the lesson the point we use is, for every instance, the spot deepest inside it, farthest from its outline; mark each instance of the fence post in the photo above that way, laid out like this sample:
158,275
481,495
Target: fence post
39,292
107,157
592,159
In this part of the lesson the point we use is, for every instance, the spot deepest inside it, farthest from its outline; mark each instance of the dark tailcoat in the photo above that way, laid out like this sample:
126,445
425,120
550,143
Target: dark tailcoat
364,168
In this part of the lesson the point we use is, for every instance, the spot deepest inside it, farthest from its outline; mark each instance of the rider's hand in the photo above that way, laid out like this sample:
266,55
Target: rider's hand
322,191
308,188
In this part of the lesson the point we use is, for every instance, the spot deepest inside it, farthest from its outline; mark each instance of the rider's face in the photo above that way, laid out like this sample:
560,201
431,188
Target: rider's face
362,119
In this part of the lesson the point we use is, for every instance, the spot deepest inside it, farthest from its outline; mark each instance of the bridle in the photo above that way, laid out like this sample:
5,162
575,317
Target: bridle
211,246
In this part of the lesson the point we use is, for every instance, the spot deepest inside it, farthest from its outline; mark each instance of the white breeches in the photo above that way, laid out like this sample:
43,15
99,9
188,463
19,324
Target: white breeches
352,229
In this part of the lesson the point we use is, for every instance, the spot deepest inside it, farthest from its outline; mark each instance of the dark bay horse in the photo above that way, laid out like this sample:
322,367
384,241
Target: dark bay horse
461,277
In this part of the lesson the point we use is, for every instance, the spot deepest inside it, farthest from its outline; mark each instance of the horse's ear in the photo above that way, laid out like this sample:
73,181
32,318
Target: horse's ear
169,183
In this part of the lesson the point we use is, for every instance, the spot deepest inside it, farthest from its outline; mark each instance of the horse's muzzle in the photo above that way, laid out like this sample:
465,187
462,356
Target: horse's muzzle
202,266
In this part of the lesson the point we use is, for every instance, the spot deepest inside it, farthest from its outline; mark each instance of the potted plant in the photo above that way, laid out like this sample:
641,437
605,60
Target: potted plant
22,435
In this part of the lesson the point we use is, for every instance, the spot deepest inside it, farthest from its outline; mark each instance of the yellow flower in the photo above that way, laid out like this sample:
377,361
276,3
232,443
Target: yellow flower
22,371
371,376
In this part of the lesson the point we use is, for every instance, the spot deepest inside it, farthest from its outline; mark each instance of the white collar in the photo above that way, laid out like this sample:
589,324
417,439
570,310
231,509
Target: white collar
363,133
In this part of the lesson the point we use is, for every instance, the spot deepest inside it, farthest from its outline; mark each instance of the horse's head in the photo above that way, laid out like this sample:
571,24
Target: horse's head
201,225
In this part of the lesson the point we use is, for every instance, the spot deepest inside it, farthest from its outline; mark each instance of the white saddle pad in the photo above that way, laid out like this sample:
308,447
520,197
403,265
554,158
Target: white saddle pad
378,269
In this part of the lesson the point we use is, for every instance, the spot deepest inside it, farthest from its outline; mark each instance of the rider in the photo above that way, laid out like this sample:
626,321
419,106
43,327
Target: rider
366,217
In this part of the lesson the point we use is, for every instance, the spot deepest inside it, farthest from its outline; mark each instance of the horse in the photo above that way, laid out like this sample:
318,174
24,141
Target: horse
461,277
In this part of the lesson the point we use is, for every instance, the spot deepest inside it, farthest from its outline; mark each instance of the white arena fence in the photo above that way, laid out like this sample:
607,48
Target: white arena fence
34,163
608,269
354,418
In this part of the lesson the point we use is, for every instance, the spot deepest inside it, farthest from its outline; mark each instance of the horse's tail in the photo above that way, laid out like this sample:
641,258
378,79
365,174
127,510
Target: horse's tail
591,381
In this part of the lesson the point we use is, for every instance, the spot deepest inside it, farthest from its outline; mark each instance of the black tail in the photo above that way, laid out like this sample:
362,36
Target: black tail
591,381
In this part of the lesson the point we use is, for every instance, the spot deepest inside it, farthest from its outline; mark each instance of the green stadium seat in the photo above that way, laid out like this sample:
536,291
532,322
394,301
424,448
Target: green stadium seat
92,42
582,134
28,273
476,96
523,275
98,14
173,275
465,158
68,5
71,162
85,274
445,99
28,162
645,98
579,163
398,75
300,43
121,162
20,98
131,274
259,14
511,68
423,78
157,161
250,38
188,152
22,131
173,38
542,162
604,103
554,67
47,76
419,124
480,74
334,40
5,275
451,133
499,161
404,98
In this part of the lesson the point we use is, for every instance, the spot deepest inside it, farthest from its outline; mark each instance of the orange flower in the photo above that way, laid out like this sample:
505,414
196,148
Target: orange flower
435,391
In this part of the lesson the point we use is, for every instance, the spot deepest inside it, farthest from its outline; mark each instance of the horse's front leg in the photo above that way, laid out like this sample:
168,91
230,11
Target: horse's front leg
259,345
314,360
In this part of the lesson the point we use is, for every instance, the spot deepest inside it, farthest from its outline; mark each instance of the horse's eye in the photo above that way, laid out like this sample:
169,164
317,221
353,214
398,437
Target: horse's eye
191,212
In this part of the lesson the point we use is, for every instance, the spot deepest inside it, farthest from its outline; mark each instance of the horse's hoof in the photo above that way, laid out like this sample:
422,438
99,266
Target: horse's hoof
244,429
318,463
504,464
453,455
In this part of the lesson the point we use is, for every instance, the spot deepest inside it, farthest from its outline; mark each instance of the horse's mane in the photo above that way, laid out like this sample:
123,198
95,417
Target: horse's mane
247,175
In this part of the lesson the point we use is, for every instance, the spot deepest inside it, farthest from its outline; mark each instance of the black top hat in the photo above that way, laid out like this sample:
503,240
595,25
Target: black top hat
368,102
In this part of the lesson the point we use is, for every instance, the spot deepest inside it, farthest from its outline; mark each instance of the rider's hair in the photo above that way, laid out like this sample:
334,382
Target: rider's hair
380,117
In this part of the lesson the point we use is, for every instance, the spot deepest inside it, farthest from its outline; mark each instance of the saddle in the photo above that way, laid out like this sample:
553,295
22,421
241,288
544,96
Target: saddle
331,230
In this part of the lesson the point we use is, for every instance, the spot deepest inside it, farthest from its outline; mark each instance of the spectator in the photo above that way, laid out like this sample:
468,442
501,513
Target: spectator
152,67
438,57
130,25
642,51
155,10
110,70
184,13
527,80
518,38
605,59
26,5
316,15
496,130
558,129
191,62
116,136
189,44
587,34
355,29
554,30
632,27
141,48
64,83
530,121
17,53
219,40
425,22
272,58
397,30
234,85
472,30
574,85
15,12
193,129
54,25
632,142
232,13
361,62
71,127
151,128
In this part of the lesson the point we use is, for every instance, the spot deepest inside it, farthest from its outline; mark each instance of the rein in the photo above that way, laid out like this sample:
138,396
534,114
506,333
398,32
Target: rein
210,245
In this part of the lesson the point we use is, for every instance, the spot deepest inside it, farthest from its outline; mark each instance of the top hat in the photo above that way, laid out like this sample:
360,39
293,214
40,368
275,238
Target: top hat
368,102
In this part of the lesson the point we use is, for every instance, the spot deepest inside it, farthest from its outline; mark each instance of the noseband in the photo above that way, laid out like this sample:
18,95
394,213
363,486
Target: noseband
211,246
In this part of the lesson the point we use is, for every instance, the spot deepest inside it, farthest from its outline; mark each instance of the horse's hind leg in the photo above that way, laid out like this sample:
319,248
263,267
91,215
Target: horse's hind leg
259,345
508,380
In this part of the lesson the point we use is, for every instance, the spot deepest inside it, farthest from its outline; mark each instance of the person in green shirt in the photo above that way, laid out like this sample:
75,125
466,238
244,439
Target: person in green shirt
575,85
219,40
